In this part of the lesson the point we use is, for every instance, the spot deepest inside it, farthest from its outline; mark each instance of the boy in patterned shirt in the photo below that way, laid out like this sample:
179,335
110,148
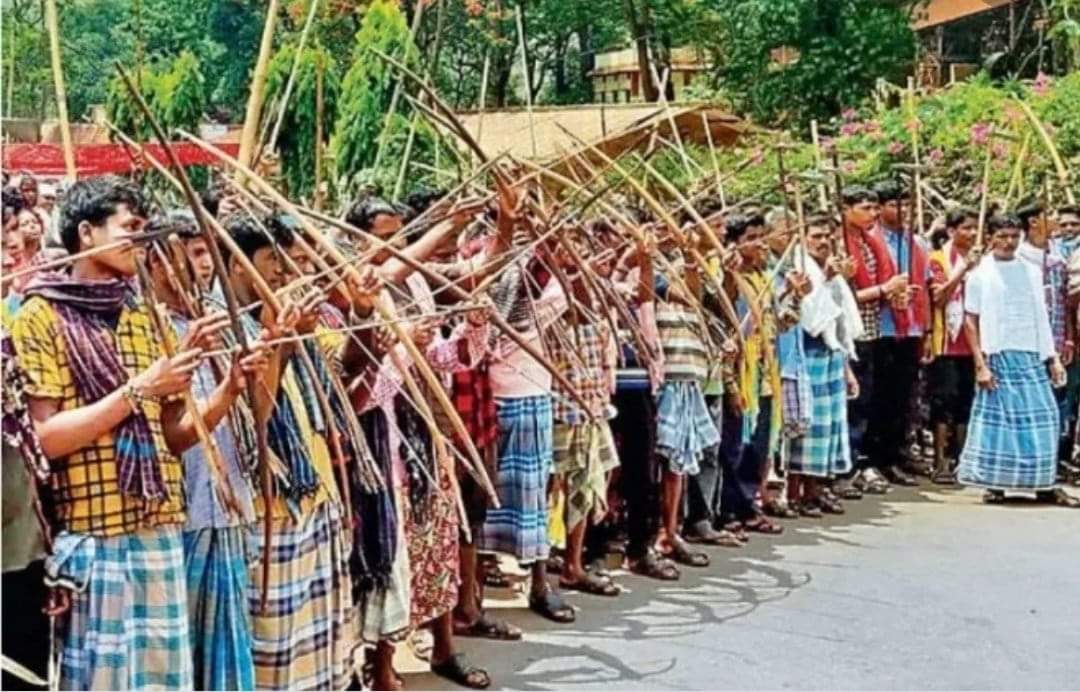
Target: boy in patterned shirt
105,404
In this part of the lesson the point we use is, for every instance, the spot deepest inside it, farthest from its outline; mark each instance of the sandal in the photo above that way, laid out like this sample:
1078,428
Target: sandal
655,567
761,524
457,669
488,628
830,505
809,510
994,497
775,508
736,529
1059,498
942,477
551,606
707,535
680,553
495,578
593,585
555,564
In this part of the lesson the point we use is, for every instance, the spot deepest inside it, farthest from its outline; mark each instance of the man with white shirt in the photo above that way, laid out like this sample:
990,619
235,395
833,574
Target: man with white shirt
1012,436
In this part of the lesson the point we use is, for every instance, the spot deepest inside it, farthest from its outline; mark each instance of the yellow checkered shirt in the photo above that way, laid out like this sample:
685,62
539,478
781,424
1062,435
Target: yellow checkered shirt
85,484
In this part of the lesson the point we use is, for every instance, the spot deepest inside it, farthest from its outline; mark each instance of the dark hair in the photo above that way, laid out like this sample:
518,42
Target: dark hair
1028,212
956,216
420,200
890,190
211,198
13,203
250,238
363,212
856,194
736,226
938,238
94,200
1000,221
1067,209
820,220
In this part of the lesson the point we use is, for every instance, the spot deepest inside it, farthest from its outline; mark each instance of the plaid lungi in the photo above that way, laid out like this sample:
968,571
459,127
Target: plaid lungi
1013,434
584,454
684,426
304,639
128,626
383,613
217,582
519,526
825,449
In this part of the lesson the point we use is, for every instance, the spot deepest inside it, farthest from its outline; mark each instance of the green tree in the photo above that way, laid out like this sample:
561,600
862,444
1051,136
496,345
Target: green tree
361,127
787,61
296,138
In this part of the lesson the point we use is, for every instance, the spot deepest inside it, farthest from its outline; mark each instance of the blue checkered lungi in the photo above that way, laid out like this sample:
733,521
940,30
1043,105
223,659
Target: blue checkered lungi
519,526
825,449
128,626
304,640
1013,434
217,583
684,427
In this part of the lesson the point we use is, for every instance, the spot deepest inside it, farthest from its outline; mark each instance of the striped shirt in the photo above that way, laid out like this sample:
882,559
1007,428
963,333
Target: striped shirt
685,357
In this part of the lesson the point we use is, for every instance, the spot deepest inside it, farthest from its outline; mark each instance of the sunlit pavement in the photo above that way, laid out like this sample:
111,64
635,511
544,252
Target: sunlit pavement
921,588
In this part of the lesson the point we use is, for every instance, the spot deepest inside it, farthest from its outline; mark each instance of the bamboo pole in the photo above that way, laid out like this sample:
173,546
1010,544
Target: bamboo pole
395,95
712,155
258,87
380,304
1059,163
53,25
985,201
815,138
916,150
319,108
283,103
528,78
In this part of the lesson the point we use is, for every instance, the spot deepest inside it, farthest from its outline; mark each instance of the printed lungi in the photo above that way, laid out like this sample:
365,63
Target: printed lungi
1013,433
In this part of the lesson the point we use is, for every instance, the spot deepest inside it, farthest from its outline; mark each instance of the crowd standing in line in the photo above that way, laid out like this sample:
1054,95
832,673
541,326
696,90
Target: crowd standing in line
271,472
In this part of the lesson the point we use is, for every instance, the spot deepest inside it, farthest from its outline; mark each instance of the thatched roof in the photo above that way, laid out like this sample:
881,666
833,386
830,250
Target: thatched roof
618,125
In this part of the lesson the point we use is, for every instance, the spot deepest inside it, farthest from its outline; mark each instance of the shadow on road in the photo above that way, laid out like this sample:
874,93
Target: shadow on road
736,583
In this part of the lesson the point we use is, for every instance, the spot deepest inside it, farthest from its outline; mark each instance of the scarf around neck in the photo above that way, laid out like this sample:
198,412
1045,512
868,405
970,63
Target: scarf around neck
88,312
918,311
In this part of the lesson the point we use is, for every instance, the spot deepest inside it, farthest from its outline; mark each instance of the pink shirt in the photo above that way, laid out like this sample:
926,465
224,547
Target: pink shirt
516,374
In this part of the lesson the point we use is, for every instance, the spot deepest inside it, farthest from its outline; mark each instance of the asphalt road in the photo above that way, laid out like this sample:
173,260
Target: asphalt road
919,589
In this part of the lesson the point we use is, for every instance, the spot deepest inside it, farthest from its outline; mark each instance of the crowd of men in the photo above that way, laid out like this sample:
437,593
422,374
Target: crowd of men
247,446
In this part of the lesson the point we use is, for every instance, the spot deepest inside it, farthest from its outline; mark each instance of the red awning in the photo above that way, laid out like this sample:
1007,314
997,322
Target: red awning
99,159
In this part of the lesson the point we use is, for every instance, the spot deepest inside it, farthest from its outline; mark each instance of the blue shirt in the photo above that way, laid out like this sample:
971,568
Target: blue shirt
204,507
900,251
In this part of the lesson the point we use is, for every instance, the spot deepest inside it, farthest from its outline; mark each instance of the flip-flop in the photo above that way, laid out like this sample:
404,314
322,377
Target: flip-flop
457,669
1059,498
551,606
655,568
711,536
593,585
495,578
761,524
993,497
684,556
488,628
